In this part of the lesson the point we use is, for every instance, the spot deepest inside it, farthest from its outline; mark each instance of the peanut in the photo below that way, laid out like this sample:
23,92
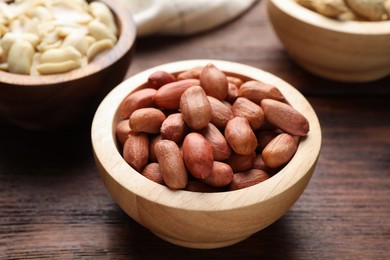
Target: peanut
152,172
257,91
245,108
136,150
147,120
160,78
239,162
214,82
138,99
20,57
122,131
249,178
279,151
197,155
285,117
220,176
240,136
168,96
220,112
193,73
174,128
221,149
171,163
195,108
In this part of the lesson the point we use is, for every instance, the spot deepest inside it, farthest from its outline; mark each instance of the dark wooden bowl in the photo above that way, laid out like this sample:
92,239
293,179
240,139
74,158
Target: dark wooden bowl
52,101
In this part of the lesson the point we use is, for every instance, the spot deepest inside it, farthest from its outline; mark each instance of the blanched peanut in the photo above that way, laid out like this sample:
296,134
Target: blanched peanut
20,57
58,67
99,47
52,28
60,55
104,15
100,31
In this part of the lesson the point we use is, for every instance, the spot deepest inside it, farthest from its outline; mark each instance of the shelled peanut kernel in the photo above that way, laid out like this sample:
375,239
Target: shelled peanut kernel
207,141
39,37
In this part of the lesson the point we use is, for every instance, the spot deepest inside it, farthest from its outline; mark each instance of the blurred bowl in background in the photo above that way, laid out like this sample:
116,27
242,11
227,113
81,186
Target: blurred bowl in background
350,51
51,101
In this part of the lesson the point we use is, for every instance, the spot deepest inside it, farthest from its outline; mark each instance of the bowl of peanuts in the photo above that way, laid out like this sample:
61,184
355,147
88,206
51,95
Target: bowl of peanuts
205,153
58,59
342,40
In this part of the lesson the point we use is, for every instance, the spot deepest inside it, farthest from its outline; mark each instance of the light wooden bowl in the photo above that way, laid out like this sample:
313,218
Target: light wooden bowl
351,51
194,219
52,101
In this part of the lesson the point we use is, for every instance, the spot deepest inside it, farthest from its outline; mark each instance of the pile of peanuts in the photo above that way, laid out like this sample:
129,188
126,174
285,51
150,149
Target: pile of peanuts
39,37
202,130
350,10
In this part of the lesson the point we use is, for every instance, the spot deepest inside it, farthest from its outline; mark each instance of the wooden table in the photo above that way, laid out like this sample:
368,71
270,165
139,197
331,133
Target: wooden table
54,205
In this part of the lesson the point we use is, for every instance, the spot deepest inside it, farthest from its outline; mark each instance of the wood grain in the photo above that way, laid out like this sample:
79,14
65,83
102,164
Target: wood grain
53,204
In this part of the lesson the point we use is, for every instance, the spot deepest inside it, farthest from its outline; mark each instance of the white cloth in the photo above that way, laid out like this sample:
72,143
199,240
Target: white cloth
183,17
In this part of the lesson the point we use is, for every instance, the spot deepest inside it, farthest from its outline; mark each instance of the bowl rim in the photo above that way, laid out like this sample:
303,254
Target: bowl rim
124,43
109,158
308,16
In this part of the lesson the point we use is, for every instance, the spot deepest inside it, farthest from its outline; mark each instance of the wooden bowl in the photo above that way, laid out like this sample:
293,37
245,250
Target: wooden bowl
51,101
350,51
195,219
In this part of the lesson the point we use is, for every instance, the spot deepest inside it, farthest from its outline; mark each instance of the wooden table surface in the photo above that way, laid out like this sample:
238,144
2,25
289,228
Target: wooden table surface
53,203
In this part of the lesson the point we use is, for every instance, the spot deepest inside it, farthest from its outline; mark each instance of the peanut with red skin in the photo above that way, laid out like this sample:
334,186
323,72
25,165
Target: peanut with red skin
159,78
152,172
147,120
214,82
136,150
279,151
198,155
171,163
221,149
138,99
249,178
240,136
220,176
174,128
257,91
243,107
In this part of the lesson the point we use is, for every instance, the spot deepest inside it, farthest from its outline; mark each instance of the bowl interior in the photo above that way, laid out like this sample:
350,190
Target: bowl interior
107,153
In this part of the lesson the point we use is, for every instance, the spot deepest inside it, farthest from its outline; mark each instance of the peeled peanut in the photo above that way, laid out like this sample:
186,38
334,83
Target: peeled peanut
220,112
279,151
220,176
152,172
285,117
138,99
243,107
100,31
104,15
197,155
214,82
171,163
221,149
195,108
20,57
136,150
60,55
57,67
159,78
168,96
174,128
249,178
257,91
147,120
240,136
373,10
99,47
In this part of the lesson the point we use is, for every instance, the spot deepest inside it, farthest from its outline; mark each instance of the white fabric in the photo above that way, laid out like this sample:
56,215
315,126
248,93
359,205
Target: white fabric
183,17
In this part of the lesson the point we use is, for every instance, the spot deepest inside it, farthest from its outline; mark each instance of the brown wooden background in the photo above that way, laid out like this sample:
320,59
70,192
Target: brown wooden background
54,205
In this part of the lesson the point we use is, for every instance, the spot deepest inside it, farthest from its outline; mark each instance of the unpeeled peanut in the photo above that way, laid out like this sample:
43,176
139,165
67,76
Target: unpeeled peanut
279,151
220,176
214,82
138,99
173,170
285,117
240,136
147,120
195,108
174,128
249,178
243,107
221,149
136,150
197,155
